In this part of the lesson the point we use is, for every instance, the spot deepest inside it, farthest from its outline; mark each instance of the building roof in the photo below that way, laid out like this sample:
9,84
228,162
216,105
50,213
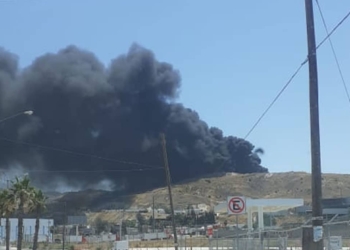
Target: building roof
269,205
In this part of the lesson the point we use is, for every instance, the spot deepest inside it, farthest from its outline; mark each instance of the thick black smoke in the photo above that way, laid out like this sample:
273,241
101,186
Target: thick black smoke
115,112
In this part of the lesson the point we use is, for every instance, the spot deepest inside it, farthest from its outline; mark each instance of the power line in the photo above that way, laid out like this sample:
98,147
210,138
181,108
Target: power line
333,50
80,154
333,30
93,171
275,99
293,76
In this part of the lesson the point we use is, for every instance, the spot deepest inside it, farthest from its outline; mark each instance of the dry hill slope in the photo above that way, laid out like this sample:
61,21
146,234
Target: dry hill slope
276,185
216,189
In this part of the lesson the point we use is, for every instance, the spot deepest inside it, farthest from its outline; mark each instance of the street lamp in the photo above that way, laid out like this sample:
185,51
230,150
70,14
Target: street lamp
27,112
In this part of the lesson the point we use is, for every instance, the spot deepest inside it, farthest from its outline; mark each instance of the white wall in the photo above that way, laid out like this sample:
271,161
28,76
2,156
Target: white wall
28,227
74,238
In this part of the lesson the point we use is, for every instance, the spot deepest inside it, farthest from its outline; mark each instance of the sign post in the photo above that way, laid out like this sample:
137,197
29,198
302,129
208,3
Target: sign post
236,205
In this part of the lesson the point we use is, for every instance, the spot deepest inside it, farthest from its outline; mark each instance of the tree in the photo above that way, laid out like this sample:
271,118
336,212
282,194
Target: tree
124,229
193,213
167,210
7,207
140,220
189,207
22,193
181,219
37,205
206,218
101,225
210,217
129,223
150,221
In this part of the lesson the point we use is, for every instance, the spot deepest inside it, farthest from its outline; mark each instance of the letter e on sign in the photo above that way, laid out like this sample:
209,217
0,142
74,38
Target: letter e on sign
236,205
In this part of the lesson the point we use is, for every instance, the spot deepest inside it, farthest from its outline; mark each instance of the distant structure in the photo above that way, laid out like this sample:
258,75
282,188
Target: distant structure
331,207
28,229
77,220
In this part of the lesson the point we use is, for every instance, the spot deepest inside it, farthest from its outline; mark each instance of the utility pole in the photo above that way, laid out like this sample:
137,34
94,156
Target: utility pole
153,220
167,173
315,241
121,226
64,226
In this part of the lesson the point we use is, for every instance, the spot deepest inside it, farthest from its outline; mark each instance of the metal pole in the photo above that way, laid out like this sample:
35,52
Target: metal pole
28,112
317,216
120,229
167,173
237,233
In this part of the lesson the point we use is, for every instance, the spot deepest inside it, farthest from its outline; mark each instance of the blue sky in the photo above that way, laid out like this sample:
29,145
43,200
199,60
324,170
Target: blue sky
234,57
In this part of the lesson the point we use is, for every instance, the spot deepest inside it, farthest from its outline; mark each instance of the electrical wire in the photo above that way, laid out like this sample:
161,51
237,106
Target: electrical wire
150,167
333,51
275,99
293,76
93,171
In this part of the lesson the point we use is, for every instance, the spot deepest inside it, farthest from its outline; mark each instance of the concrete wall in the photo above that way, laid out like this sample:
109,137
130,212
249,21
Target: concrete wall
74,238
101,238
28,227
41,238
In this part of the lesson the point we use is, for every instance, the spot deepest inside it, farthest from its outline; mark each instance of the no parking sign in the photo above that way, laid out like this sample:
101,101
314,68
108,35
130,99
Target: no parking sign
236,205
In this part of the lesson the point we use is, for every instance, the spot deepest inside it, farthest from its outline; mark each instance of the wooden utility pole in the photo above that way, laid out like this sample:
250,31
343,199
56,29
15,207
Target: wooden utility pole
315,242
167,174
153,219
64,226
121,226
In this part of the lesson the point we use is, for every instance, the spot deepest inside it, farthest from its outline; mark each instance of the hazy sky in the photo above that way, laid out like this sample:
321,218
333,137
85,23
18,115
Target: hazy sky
234,57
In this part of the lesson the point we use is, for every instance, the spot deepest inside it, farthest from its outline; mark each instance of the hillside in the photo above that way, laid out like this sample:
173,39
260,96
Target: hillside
210,191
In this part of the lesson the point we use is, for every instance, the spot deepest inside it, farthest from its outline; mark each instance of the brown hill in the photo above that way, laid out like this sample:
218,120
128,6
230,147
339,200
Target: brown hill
212,190
272,185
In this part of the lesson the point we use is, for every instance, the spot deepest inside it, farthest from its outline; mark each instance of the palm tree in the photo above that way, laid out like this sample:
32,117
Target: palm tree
37,205
7,207
22,192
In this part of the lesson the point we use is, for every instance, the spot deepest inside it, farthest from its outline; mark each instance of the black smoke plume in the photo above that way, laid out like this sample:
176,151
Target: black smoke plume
115,112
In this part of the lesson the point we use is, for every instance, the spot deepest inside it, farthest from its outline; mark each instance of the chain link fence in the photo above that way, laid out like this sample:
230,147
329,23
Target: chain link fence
286,239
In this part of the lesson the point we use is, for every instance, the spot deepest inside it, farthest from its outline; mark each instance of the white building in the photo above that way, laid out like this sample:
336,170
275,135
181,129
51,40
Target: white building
203,207
28,229
156,210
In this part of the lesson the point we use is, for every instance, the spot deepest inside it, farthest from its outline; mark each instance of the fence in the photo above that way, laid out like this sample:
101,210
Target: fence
289,239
